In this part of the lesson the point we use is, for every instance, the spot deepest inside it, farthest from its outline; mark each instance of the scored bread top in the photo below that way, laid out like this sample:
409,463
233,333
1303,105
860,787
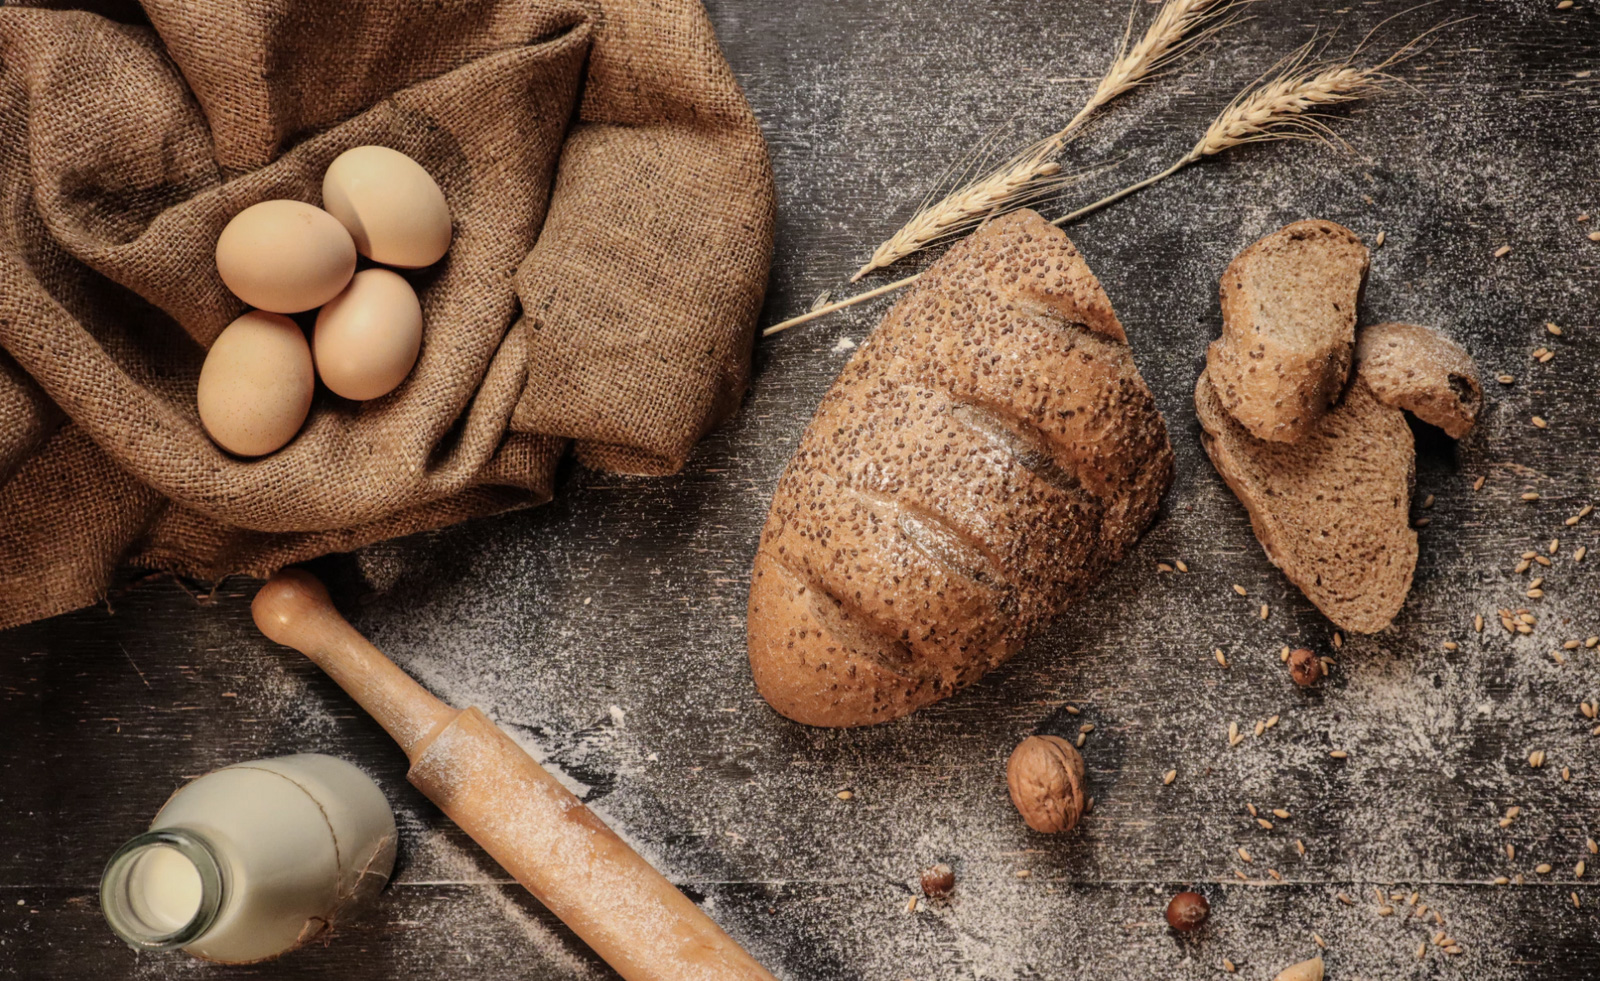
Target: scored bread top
1422,371
986,453
1332,510
1288,326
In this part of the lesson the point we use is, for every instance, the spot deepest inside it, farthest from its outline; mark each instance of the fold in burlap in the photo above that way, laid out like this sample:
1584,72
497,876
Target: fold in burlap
613,216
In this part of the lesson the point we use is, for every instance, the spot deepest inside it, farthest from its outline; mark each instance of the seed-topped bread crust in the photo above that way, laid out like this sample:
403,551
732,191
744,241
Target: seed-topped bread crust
986,454
1422,371
1332,510
1288,327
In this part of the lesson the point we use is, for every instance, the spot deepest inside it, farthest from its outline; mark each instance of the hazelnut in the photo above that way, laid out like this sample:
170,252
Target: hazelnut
1045,774
1305,668
938,881
1187,911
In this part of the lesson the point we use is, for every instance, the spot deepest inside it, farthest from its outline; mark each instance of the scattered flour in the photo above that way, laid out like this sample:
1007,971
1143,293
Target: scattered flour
521,617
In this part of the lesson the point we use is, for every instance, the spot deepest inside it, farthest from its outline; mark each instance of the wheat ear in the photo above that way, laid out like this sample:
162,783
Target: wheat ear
1285,106
1023,177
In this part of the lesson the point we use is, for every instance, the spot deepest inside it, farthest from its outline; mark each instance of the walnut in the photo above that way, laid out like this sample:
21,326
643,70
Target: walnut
1305,668
1045,774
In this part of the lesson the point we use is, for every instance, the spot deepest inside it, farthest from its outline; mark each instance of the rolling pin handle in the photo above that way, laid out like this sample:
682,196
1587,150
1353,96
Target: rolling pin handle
294,609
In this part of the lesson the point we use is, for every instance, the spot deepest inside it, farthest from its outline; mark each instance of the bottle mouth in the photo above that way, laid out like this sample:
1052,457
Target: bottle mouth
162,889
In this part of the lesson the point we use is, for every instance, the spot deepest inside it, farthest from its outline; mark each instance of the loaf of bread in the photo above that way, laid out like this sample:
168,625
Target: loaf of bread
1422,371
978,464
1332,510
1288,326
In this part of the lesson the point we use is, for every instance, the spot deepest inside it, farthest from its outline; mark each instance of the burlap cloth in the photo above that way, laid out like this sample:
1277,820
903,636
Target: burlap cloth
613,212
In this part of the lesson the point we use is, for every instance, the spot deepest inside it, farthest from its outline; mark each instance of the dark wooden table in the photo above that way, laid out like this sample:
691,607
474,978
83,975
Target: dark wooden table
608,628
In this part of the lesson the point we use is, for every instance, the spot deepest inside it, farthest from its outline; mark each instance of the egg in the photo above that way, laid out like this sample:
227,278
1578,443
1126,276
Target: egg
256,384
285,256
367,337
390,205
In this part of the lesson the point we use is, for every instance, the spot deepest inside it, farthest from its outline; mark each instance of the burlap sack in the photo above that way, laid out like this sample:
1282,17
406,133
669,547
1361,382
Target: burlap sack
613,212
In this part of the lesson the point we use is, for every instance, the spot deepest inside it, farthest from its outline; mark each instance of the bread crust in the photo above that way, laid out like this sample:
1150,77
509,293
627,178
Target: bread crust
986,454
1288,327
1422,371
1332,510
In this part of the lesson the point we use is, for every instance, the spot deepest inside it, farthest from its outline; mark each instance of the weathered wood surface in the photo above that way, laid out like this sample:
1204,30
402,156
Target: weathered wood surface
607,628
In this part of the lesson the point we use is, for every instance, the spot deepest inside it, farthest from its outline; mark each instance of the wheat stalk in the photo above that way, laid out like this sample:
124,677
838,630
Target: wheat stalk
1285,106
1023,177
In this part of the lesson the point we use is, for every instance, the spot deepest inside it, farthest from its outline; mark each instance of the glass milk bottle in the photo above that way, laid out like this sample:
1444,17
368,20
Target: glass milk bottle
250,861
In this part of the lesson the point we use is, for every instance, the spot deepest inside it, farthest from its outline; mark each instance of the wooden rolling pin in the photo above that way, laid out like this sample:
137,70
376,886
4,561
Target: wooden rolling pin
539,832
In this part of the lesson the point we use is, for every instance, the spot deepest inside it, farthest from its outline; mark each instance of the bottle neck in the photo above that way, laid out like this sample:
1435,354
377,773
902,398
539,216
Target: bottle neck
163,889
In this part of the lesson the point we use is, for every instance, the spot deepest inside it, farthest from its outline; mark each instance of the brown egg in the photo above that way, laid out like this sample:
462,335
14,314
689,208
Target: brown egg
285,256
367,337
393,209
256,385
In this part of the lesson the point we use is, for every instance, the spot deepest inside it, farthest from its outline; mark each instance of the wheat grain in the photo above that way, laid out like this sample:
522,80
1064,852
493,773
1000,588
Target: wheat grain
1034,172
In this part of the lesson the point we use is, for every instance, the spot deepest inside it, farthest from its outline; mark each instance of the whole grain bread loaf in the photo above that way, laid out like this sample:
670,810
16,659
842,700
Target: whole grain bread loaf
986,454
1422,371
1288,325
1333,509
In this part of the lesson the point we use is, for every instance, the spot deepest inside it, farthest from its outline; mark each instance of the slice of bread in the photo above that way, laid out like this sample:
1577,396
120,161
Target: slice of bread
1422,371
1332,510
1288,326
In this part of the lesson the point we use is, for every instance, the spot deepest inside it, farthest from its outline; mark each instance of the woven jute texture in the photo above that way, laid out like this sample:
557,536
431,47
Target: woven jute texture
613,210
